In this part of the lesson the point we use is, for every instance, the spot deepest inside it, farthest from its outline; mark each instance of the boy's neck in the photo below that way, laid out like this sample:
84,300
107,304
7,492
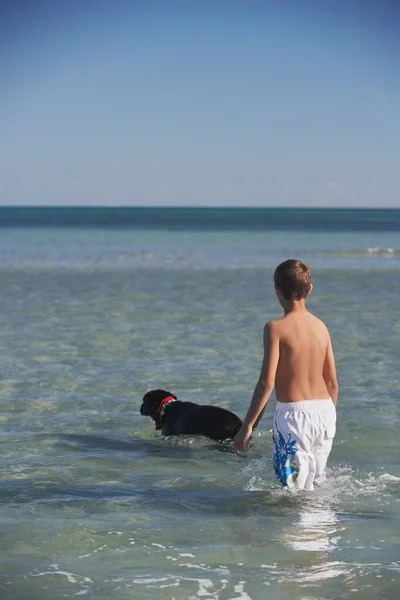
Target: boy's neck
293,306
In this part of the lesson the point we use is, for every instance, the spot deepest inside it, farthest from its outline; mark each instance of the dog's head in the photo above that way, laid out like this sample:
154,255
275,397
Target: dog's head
152,401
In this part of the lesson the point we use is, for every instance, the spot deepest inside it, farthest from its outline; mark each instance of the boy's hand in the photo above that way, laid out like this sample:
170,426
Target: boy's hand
241,439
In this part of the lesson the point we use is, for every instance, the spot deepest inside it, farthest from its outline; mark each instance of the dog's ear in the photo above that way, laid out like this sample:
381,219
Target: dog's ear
150,403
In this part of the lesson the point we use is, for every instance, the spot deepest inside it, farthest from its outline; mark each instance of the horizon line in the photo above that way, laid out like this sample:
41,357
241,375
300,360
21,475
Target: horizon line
191,207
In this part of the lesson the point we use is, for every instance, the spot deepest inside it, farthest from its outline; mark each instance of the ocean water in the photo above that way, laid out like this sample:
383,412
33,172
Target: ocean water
94,502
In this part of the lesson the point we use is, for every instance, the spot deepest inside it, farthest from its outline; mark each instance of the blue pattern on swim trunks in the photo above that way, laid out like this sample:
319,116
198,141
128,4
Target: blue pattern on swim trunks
283,452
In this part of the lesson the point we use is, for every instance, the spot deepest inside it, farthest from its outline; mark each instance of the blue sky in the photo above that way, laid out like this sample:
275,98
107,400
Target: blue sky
200,103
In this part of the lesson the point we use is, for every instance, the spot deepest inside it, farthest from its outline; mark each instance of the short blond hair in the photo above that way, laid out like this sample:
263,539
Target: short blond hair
293,278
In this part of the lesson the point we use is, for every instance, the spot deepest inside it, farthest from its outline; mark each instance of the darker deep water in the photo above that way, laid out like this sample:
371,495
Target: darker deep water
207,219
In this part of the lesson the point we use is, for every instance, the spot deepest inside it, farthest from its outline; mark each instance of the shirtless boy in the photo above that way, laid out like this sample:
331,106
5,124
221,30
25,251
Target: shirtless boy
299,363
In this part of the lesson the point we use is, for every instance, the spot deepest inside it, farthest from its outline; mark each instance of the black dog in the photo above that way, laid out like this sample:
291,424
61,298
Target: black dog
174,417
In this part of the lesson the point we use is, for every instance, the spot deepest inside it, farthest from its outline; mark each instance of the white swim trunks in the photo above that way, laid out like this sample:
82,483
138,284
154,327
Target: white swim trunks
303,436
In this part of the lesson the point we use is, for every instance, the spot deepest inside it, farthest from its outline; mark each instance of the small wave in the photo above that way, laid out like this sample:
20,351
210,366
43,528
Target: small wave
383,251
373,251
346,481
341,482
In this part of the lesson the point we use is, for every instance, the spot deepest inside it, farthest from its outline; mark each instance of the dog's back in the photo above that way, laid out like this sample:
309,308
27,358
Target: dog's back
189,418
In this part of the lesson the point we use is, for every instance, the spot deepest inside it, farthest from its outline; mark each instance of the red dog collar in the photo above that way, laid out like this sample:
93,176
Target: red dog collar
156,415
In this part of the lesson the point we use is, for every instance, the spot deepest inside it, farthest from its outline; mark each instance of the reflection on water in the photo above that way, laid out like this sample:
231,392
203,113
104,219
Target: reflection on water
316,530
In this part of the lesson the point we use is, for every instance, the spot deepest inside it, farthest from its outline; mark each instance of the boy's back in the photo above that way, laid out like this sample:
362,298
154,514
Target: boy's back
303,346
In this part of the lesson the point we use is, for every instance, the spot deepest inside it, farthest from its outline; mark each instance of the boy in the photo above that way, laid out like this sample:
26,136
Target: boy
299,362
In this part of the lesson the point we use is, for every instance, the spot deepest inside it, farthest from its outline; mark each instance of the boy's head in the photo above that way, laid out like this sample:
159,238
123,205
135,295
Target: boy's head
292,279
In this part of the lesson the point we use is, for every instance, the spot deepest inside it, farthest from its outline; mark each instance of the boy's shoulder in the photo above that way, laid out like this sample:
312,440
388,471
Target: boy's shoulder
272,324
315,318
272,327
317,321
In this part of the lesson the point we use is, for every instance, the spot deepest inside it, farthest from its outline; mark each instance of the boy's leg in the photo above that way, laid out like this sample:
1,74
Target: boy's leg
323,445
284,451
322,452
307,469
294,461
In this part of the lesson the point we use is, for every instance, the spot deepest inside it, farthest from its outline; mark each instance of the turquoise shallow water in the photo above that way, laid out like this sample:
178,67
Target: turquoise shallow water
95,503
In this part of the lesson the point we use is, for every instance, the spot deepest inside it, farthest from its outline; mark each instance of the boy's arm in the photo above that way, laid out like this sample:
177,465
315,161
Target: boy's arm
329,373
264,386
